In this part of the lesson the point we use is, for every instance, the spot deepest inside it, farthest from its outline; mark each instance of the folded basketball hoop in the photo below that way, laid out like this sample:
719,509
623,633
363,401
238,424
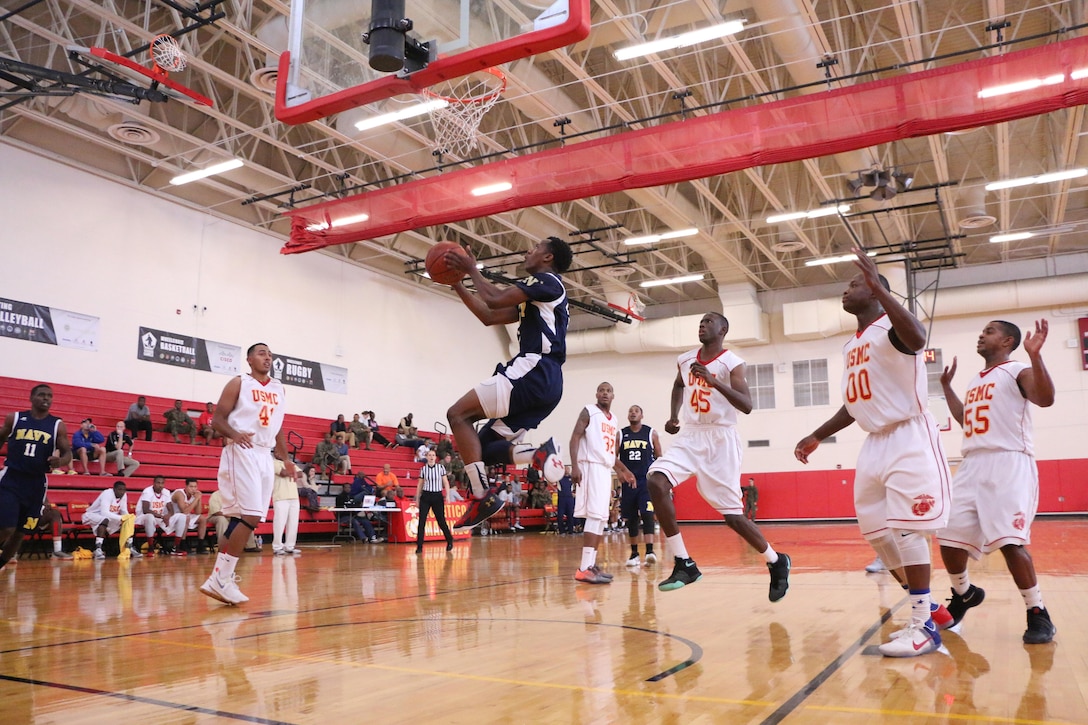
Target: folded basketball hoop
457,122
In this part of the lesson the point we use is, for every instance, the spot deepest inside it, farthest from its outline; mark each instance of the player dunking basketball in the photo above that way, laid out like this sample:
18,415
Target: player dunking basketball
709,389
37,443
249,417
526,389
996,488
901,489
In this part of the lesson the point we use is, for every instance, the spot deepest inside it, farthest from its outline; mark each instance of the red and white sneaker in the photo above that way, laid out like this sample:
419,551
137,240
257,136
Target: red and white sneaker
913,640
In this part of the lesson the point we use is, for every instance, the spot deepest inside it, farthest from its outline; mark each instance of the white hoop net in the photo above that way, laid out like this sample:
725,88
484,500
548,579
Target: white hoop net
166,52
457,124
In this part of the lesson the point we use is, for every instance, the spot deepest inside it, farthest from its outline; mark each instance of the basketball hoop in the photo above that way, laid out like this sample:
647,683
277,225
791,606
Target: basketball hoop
634,309
166,52
467,99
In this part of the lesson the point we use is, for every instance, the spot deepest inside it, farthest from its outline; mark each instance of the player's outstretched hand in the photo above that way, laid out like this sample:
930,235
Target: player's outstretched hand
672,426
1034,343
868,268
949,373
805,448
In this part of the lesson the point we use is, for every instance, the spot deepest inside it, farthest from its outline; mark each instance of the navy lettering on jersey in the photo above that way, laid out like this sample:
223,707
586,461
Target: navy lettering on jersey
637,450
544,317
31,443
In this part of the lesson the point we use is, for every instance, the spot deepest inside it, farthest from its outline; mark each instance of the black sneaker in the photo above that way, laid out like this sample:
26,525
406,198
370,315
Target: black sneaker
780,577
1040,629
960,603
480,510
684,572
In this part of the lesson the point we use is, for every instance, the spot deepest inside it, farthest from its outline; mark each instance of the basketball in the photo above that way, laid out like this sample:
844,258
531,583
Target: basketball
436,264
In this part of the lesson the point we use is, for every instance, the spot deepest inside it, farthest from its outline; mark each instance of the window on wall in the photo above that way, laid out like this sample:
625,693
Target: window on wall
810,383
934,368
761,386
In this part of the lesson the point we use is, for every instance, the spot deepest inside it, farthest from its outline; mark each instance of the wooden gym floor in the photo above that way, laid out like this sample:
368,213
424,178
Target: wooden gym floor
498,632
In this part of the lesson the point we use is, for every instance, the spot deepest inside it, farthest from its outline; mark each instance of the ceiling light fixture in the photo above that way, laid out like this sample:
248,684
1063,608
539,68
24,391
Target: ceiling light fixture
683,40
1078,74
1021,86
653,238
203,173
671,280
409,112
492,188
1041,179
342,222
835,260
814,214
885,183
1013,237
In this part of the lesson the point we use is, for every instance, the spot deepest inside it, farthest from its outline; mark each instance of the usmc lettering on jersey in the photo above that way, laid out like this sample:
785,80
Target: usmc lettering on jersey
858,356
980,392
264,396
29,434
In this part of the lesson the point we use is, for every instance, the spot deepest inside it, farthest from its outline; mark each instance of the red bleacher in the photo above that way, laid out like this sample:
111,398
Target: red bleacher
178,461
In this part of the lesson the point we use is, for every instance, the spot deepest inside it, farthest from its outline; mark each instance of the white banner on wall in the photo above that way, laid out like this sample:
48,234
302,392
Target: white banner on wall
48,325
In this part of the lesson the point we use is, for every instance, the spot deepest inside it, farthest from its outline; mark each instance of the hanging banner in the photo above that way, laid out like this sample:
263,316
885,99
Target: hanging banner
308,374
48,325
171,348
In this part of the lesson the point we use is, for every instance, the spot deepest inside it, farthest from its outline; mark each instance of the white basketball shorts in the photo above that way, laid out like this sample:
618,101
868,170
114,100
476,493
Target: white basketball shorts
713,456
246,478
594,494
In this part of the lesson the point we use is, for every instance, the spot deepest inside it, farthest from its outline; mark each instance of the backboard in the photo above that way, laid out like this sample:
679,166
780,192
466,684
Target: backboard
133,70
328,68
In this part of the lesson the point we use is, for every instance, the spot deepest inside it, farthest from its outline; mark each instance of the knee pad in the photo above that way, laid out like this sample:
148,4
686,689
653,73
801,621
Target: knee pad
887,548
594,526
235,522
913,547
648,522
632,526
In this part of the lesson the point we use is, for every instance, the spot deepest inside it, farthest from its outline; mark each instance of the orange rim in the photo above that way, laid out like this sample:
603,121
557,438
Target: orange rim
482,98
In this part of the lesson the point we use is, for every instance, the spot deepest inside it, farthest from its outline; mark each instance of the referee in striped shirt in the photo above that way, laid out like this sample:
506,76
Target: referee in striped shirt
431,493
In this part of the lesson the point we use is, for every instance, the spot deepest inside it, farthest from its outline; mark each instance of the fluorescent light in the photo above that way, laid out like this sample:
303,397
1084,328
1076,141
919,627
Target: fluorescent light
342,222
1014,237
1041,179
652,238
681,41
210,171
408,112
814,214
492,188
836,260
1020,86
672,280
1078,74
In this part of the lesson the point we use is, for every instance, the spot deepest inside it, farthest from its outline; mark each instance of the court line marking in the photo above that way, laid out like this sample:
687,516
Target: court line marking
144,700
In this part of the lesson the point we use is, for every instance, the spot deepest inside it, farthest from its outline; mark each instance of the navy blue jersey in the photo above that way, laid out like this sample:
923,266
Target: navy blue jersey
542,329
637,450
31,443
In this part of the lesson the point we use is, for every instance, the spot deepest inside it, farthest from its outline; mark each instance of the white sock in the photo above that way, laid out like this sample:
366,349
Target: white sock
675,544
477,479
960,582
522,454
919,606
224,566
56,545
770,554
589,557
98,542
1033,597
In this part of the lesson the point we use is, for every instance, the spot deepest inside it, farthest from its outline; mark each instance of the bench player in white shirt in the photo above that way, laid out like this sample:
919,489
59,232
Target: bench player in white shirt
155,512
249,416
996,488
105,514
902,484
709,389
594,444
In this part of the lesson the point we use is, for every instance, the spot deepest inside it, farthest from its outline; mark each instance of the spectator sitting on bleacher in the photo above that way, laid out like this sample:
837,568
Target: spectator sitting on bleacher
306,484
361,431
204,427
115,450
422,451
455,494
179,422
104,517
220,522
444,447
360,488
339,426
88,442
512,506
539,496
188,515
343,460
407,433
154,512
375,431
456,468
385,480
326,456
138,418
